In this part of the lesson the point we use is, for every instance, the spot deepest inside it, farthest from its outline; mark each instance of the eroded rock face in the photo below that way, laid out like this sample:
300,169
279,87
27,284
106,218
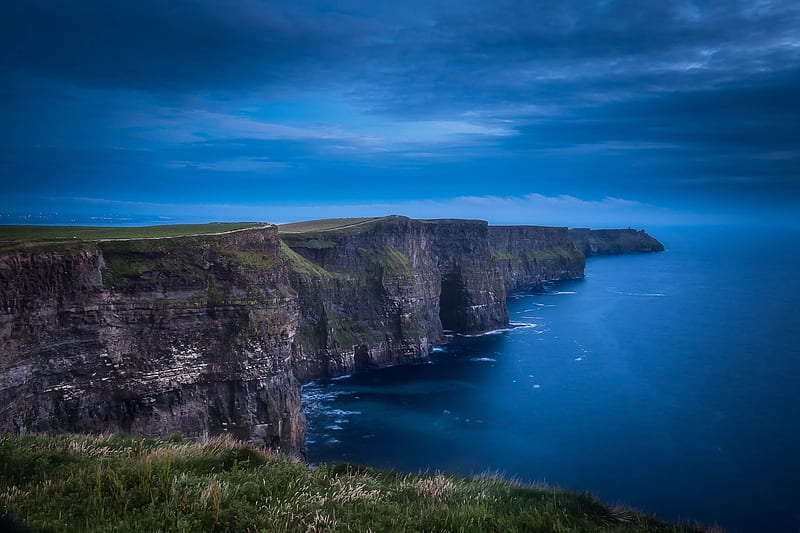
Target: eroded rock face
189,335
381,294
213,334
528,255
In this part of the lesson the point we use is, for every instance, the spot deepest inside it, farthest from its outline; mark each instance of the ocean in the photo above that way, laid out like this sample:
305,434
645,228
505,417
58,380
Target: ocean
667,382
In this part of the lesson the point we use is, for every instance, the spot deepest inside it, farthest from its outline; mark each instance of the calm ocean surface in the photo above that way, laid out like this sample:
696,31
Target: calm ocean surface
669,382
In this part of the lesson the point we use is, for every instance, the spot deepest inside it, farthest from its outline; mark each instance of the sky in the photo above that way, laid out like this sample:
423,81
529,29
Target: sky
580,113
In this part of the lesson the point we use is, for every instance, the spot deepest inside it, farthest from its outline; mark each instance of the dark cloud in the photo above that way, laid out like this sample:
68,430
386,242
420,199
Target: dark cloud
421,45
678,95
156,45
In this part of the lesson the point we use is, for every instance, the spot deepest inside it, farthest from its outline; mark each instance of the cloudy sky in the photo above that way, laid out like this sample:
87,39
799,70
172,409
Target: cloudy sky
596,112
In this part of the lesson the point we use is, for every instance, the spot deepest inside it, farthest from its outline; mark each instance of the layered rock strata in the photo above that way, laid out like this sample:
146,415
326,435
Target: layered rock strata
213,334
382,293
151,337
528,255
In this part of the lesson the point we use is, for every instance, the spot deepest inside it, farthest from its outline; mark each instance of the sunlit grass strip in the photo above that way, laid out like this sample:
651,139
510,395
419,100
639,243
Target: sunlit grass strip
55,233
325,224
117,483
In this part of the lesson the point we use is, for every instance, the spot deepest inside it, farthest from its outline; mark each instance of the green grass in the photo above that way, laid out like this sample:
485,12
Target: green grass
324,224
391,260
117,483
552,254
348,333
302,266
59,233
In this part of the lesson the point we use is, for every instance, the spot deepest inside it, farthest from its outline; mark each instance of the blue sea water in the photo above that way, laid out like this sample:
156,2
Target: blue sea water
668,382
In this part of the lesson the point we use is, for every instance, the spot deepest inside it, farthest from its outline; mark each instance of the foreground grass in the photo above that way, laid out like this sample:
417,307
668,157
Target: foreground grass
82,483
33,233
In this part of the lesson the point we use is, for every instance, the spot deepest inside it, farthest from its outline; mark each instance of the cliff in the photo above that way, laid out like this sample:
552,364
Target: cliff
381,292
151,337
212,334
528,255
613,241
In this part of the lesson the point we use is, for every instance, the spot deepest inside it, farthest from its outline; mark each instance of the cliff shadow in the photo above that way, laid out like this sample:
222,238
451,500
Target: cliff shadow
453,303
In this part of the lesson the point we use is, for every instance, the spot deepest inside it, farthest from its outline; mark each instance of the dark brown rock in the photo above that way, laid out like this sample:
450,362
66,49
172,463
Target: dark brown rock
613,241
528,255
189,335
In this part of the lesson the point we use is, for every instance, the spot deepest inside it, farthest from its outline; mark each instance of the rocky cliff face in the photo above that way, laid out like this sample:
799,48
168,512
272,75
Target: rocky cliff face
528,255
151,337
211,334
381,293
613,241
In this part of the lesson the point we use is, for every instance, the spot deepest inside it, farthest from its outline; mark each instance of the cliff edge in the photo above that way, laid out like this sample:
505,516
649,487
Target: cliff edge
213,333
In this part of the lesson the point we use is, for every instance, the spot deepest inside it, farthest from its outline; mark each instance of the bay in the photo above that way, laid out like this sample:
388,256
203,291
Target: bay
667,382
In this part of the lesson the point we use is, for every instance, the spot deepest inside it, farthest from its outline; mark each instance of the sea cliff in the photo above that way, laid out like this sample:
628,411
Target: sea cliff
151,337
383,292
528,255
212,334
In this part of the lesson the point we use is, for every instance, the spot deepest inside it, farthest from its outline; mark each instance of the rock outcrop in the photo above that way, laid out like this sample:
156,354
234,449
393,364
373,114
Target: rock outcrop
613,241
210,334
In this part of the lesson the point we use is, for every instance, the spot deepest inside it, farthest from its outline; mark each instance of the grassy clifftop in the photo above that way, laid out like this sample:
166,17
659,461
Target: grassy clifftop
325,224
48,233
68,237
80,483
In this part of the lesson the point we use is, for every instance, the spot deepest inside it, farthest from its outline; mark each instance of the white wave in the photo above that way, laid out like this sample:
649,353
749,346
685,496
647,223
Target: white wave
337,378
314,398
560,292
492,332
437,349
523,324
342,412
537,386
334,427
640,294
484,359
